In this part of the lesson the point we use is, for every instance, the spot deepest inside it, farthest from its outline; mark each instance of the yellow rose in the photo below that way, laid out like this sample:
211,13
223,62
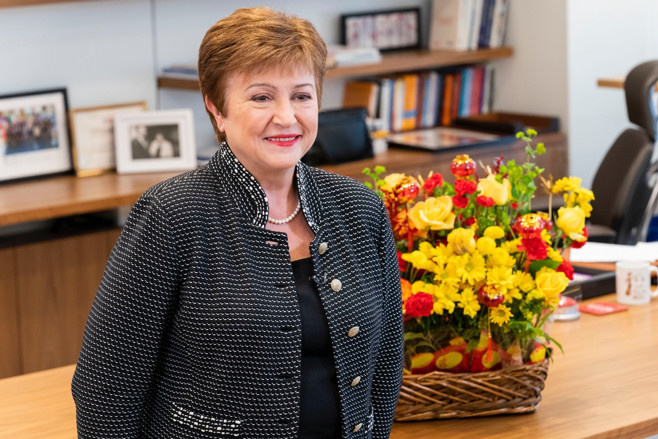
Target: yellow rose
434,213
571,220
500,192
551,283
462,240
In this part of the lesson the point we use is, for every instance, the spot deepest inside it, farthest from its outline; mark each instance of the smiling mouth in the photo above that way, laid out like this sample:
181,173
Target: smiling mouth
282,139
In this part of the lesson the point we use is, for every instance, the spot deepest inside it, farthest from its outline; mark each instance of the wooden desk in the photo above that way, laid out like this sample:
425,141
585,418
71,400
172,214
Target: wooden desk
603,386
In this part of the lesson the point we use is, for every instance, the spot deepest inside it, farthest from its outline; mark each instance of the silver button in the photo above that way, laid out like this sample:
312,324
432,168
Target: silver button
353,331
322,248
336,285
356,381
357,427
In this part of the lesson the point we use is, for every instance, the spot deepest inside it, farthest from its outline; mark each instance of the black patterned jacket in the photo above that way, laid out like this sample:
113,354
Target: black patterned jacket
195,331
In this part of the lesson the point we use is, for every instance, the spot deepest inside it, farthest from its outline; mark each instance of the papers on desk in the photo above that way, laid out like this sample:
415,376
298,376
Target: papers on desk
599,252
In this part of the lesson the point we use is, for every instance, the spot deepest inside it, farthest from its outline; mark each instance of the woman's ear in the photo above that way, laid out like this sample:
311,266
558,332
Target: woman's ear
219,119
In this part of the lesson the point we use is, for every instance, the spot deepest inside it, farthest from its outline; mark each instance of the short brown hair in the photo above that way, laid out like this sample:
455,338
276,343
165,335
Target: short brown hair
253,39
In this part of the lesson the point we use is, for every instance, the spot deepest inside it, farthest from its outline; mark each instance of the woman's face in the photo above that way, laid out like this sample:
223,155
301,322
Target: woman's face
271,118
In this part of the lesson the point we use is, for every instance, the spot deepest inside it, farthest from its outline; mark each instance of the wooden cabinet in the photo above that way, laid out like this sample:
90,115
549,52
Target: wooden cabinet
46,291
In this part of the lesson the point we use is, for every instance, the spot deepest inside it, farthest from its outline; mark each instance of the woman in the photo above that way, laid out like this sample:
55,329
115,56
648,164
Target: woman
254,297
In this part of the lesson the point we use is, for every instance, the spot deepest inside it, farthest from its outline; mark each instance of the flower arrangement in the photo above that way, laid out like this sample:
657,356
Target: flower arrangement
480,272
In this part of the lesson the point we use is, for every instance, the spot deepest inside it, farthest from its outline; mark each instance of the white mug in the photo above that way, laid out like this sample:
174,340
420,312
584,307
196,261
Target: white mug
634,282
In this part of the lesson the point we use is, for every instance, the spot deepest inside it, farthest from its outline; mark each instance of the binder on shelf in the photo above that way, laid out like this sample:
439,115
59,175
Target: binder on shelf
508,123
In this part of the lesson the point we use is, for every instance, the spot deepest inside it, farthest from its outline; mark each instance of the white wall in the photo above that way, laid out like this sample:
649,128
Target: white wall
101,51
606,38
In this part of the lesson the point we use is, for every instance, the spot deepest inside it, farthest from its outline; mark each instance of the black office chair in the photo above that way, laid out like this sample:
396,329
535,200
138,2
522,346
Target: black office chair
625,183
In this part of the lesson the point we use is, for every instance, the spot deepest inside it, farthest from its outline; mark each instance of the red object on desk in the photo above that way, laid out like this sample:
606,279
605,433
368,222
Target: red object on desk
601,308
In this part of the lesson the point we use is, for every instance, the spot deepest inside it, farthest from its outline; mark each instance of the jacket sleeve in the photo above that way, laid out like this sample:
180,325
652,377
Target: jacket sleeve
133,306
388,368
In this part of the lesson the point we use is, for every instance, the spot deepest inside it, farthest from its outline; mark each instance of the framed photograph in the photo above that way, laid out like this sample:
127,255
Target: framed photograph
393,29
154,141
92,134
34,138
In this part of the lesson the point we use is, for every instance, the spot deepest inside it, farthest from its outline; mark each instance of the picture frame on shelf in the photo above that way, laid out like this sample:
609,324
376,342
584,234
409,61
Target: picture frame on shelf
386,30
34,135
154,141
92,135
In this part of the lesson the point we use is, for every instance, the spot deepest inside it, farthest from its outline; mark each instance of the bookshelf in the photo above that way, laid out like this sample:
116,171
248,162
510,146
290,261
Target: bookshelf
15,3
395,62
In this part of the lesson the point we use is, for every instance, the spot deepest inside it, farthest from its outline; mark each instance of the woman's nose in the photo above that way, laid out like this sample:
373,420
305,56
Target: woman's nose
284,113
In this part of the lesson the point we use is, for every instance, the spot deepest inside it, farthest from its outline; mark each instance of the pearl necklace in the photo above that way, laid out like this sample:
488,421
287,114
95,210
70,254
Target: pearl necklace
286,220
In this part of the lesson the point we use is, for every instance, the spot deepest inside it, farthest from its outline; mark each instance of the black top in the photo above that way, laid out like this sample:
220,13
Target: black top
320,407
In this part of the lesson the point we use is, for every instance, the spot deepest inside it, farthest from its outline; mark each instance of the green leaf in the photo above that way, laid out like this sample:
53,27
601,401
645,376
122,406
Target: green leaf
379,169
541,149
368,184
535,266
408,336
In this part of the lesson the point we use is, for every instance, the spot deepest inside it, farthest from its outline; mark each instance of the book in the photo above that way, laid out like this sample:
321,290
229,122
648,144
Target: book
450,25
466,91
385,109
485,23
499,23
398,104
447,99
476,93
182,70
456,96
410,101
338,55
476,18
361,94
430,117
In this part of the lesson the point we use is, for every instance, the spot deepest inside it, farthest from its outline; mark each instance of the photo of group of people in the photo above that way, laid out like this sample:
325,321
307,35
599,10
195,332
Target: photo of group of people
154,141
28,129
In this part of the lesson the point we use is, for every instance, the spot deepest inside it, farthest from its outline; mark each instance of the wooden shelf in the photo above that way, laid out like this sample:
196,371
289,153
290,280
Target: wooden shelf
68,195
613,83
391,63
17,3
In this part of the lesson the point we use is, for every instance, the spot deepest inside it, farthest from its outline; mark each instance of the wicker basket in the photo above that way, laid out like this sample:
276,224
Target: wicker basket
441,395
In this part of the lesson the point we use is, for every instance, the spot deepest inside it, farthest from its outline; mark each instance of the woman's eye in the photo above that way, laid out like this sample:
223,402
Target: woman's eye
260,98
303,97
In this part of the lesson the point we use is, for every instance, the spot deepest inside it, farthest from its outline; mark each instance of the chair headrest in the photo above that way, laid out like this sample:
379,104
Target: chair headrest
638,87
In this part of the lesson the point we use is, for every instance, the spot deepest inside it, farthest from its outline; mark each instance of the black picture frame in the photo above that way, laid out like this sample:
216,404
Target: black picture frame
34,135
387,30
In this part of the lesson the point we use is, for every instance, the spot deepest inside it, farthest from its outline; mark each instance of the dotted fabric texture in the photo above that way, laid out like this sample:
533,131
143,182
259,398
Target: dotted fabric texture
195,331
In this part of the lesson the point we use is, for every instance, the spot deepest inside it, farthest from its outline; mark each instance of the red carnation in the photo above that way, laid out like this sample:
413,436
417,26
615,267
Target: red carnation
578,244
465,186
514,205
401,262
566,268
469,221
459,201
485,201
433,181
535,248
419,305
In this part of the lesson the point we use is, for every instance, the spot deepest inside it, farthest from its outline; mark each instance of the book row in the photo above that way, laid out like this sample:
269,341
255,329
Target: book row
468,24
422,100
